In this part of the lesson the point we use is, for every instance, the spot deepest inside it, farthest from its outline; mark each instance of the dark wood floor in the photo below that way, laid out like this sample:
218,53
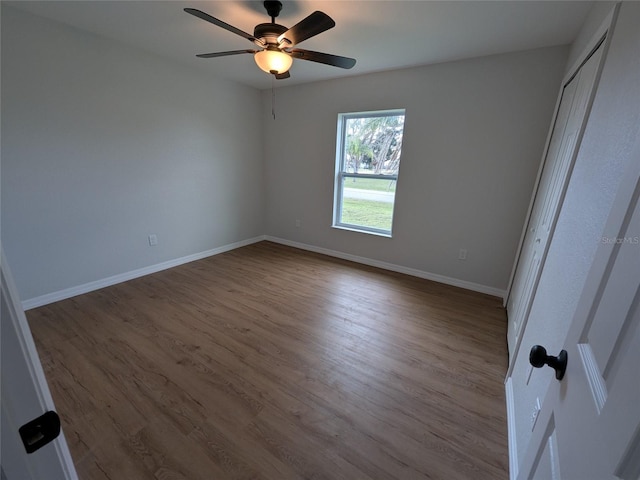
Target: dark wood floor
269,362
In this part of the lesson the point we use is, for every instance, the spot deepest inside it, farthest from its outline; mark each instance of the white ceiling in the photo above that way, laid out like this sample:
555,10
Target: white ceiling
381,35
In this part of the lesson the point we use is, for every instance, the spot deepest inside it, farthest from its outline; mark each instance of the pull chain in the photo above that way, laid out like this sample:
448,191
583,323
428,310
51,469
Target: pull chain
273,99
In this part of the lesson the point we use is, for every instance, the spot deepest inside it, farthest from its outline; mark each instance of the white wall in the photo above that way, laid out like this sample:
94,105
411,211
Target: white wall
474,136
104,145
612,129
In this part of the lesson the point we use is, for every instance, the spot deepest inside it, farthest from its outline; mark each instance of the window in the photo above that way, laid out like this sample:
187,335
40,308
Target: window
367,163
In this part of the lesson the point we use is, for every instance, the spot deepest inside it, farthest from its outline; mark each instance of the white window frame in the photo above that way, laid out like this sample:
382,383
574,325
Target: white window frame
341,175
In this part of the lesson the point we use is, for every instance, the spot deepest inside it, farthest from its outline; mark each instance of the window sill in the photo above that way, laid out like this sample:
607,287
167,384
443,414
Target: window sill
362,230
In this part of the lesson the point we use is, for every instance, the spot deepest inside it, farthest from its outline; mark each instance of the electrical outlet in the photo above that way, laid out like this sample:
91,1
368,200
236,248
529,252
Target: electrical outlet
153,240
462,254
297,223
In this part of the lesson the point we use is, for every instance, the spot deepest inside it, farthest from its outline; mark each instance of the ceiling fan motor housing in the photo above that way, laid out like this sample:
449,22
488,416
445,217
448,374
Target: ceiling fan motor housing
269,32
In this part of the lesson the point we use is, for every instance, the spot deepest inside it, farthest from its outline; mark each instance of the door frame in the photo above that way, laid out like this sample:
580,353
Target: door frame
18,321
601,38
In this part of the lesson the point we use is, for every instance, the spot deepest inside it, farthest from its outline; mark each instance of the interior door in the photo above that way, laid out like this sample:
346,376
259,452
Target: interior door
567,129
24,397
589,425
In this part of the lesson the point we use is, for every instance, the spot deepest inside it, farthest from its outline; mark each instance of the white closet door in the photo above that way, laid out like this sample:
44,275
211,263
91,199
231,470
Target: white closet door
563,146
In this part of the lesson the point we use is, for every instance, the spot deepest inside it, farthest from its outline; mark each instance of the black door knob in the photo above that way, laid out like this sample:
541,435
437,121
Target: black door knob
40,431
538,358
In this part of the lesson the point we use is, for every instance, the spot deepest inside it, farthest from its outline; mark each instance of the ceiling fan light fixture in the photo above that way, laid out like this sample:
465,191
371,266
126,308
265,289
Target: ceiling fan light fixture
276,42
273,61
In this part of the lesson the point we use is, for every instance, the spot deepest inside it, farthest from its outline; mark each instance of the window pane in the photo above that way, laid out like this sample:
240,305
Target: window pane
368,202
370,145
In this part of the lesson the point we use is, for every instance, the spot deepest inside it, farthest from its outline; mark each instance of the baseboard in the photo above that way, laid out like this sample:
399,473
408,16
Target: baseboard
123,277
511,429
476,287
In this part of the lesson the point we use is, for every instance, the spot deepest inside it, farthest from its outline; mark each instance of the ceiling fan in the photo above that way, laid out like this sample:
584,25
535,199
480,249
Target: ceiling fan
275,42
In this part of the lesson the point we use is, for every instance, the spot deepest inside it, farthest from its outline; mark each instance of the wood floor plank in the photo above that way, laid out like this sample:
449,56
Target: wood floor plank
268,362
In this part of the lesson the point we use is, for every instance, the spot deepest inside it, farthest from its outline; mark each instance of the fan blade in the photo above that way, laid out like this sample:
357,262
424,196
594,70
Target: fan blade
205,16
282,76
308,27
224,54
327,59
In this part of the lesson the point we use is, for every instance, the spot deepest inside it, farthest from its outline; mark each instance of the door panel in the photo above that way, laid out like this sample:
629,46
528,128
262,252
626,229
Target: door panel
526,271
526,276
604,336
546,464
570,120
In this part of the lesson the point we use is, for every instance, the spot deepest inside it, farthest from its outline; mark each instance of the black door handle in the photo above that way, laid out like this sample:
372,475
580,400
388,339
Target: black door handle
40,431
538,358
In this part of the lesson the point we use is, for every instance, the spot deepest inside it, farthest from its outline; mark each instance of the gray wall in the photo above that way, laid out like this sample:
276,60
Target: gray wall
103,145
474,136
